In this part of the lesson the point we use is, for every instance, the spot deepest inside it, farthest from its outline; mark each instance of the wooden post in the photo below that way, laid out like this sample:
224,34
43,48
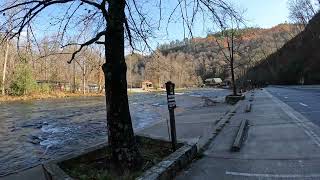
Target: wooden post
171,106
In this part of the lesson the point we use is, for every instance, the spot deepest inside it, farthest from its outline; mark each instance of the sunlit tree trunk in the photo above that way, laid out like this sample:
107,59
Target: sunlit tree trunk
84,78
74,88
45,69
99,82
120,131
5,68
99,77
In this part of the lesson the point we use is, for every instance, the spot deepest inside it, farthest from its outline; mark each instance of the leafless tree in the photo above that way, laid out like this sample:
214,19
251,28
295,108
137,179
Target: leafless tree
89,62
4,71
231,44
7,46
110,23
156,68
301,11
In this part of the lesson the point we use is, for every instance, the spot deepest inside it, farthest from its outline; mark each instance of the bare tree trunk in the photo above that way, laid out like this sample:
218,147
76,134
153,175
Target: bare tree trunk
120,131
180,78
45,70
84,78
5,68
234,88
74,77
99,82
84,83
99,77
130,73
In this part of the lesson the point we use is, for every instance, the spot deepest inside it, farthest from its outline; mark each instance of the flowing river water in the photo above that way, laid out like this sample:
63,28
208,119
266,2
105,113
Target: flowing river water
35,131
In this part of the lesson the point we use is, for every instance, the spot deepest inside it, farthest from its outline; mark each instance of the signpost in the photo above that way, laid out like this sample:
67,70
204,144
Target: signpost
171,106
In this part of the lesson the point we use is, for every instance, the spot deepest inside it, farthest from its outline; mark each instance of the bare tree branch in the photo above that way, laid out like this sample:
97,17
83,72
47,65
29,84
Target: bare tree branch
91,41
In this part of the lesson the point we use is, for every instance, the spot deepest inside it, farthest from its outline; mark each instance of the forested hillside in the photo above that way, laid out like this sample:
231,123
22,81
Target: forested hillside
191,61
187,63
297,62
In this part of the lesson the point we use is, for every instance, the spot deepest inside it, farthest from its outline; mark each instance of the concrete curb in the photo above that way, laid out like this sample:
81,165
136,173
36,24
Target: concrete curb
54,172
231,99
248,108
166,169
170,166
238,141
219,126
227,117
52,169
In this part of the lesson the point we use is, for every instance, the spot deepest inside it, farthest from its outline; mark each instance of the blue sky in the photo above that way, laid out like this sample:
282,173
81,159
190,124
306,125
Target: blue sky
258,13
266,13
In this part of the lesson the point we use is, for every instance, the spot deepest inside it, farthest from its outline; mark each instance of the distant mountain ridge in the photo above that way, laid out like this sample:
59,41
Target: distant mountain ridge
297,62
190,61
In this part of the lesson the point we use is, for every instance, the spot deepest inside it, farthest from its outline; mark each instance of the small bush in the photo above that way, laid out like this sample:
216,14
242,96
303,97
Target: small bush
44,88
23,82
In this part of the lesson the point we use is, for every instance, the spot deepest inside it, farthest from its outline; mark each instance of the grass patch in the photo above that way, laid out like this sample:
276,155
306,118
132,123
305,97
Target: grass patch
97,165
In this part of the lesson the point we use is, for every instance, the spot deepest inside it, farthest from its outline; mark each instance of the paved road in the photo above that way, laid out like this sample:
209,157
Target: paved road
304,99
279,144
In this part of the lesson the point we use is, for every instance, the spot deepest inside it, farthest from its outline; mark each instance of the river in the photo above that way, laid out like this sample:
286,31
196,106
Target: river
35,131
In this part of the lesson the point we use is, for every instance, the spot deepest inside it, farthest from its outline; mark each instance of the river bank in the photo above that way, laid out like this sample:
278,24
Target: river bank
55,95
58,95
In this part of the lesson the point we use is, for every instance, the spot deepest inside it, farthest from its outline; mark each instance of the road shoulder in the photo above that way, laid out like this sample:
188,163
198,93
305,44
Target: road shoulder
277,146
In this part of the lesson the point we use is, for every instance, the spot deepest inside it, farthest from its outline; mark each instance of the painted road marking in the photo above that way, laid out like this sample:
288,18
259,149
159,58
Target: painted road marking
304,112
273,175
286,97
302,104
291,113
307,129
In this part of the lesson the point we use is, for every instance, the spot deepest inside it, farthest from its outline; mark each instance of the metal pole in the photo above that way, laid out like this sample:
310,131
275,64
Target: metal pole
173,129
171,106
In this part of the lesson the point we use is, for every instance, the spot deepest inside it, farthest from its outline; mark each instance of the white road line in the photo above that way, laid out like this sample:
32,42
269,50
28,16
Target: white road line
286,97
303,112
307,129
273,175
302,104
289,111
